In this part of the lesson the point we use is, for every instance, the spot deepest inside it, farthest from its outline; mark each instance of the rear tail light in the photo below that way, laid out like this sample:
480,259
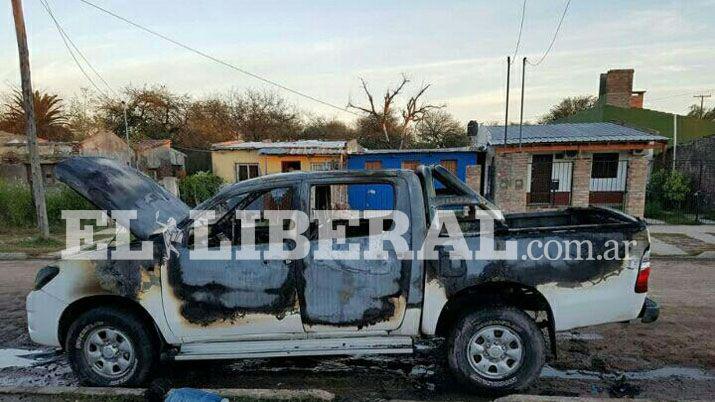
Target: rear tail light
643,273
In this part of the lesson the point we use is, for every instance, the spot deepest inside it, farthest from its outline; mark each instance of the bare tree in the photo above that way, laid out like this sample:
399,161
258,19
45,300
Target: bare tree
395,131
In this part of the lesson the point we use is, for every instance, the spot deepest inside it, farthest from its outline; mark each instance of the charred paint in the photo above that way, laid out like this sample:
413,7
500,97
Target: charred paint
111,185
562,272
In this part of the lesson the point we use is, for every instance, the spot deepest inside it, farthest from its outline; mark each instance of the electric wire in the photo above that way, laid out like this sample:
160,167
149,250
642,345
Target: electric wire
553,39
216,60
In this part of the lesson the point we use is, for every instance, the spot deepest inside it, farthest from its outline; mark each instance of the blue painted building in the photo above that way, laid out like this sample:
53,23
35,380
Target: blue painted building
377,197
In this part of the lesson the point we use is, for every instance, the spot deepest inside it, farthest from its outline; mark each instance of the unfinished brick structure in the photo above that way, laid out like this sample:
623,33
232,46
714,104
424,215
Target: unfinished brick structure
616,89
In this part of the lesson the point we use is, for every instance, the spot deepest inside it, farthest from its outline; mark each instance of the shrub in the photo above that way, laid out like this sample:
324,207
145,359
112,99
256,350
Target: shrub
668,187
18,211
199,187
16,207
60,197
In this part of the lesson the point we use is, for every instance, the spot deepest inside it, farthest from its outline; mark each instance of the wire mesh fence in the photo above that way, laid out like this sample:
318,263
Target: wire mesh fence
682,192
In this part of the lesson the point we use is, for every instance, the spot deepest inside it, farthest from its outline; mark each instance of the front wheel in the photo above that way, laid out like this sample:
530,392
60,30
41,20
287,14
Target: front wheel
496,350
111,347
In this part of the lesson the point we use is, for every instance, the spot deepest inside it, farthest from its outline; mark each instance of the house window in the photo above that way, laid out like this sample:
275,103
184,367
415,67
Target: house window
605,166
449,164
373,165
321,166
245,171
410,165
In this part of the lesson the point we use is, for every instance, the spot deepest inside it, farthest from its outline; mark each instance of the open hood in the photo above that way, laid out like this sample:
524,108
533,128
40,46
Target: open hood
112,185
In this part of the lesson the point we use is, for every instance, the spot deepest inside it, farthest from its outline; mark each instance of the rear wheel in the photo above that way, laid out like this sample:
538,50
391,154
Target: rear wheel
111,347
496,350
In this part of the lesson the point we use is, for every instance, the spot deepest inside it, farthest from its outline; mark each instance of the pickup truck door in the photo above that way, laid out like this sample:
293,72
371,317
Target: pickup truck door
354,296
228,299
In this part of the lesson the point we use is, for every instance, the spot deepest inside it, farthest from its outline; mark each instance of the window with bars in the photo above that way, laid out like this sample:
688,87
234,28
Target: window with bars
605,166
245,171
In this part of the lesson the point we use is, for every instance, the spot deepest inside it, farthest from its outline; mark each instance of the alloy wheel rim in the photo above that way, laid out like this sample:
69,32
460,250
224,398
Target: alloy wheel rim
495,352
109,352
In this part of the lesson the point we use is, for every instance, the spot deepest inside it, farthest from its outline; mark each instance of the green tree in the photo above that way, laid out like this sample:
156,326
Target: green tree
320,128
439,129
702,113
199,187
50,114
152,112
569,107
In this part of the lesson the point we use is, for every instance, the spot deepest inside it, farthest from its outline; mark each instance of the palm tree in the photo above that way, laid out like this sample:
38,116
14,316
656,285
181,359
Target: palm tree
50,115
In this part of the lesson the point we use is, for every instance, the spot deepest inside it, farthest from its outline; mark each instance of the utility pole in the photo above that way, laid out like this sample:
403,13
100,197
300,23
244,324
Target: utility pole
702,103
506,113
126,132
675,139
38,185
521,114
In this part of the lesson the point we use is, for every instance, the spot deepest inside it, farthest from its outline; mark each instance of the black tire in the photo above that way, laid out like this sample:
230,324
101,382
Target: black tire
532,347
145,353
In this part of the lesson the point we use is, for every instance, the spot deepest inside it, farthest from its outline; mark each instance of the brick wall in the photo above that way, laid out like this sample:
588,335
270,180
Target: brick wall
616,86
510,184
637,181
473,177
581,180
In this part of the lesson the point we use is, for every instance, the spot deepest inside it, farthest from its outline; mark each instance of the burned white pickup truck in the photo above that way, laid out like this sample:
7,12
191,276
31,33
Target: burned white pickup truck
117,319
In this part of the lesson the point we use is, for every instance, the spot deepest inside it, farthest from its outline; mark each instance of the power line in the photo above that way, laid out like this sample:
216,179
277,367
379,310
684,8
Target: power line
556,33
521,27
66,35
69,49
217,60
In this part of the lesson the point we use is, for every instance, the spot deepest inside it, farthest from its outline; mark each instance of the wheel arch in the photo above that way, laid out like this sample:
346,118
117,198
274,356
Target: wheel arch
81,306
501,293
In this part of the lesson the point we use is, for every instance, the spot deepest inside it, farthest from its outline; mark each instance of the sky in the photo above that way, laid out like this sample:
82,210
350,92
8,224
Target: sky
323,48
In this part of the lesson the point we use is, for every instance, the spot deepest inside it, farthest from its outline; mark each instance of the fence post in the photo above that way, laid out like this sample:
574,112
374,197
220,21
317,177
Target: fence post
697,193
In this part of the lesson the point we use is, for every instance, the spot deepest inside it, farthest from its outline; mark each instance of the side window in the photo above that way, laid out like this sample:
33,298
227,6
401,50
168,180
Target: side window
354,197
245,171
281,198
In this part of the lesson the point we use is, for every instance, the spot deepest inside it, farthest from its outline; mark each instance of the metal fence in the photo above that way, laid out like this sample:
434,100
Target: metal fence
608,183
681,193
549,183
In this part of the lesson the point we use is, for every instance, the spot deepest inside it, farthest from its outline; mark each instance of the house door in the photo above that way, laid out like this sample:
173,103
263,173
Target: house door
209,299
541,169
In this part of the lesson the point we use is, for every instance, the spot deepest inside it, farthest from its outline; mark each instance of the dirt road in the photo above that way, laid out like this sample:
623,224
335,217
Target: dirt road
590,361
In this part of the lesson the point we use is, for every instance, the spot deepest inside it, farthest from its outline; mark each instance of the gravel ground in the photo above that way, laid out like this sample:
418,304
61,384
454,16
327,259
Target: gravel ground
681,338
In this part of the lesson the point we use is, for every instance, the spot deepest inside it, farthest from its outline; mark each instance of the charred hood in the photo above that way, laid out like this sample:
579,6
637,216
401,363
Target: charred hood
111,185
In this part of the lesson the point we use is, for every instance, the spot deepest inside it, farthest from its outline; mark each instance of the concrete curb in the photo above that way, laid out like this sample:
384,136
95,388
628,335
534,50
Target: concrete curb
539,398
137,394
25,256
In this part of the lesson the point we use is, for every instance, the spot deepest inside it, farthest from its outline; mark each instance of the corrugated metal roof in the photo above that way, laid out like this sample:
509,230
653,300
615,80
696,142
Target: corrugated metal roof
406,151
569,132
316,144
300,151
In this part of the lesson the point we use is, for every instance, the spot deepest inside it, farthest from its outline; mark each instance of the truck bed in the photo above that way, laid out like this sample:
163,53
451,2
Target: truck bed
570,217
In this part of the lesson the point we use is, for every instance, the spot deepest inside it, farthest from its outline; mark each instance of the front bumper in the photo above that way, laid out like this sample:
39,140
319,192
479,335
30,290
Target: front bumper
650,311
43,317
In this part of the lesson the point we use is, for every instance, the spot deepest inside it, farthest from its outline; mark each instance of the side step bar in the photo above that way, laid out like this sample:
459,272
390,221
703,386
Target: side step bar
295,347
